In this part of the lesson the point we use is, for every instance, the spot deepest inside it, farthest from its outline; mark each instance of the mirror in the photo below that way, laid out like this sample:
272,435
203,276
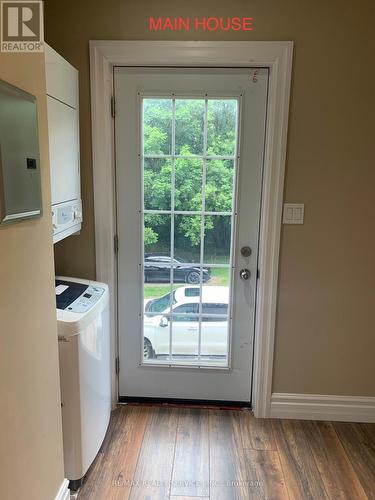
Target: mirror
164,322
20,186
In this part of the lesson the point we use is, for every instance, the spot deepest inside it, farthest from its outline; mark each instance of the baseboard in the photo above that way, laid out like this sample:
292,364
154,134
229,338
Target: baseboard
323,407
63,493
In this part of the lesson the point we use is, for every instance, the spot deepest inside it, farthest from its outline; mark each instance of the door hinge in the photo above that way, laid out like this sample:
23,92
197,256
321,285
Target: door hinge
117,365
113,106
115,243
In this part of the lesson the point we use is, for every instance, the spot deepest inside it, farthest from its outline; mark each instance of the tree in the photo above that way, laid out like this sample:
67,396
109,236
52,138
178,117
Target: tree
157,172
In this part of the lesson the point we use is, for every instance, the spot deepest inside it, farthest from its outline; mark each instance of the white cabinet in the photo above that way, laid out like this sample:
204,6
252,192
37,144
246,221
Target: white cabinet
63,150
61,78
63,130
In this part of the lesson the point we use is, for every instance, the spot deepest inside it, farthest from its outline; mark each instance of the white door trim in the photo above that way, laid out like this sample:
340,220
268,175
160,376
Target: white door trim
275,55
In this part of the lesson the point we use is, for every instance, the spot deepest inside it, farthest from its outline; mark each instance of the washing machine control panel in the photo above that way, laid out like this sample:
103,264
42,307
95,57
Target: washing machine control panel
87,300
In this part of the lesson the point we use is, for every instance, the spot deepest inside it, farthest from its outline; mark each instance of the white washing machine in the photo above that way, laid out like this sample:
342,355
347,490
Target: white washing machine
85,378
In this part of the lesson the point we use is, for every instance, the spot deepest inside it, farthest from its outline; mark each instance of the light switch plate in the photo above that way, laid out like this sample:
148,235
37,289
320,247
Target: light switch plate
293,213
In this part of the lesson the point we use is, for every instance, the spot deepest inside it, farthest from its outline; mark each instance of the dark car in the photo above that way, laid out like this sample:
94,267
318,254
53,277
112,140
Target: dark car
158,269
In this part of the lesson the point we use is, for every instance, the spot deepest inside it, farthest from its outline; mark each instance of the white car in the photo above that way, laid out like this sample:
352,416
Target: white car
185,323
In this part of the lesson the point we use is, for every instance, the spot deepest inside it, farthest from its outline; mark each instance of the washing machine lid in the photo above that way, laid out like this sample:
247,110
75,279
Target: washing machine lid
67,292
81,302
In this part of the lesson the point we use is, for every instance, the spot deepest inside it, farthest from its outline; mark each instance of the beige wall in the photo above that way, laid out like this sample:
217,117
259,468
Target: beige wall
325,338
31,460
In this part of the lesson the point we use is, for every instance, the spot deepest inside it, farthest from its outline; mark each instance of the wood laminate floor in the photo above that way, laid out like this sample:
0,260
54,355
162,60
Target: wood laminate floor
181,454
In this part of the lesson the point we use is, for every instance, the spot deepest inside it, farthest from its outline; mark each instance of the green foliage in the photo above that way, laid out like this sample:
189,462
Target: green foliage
189,126
221,127
150,237
157,173
157,126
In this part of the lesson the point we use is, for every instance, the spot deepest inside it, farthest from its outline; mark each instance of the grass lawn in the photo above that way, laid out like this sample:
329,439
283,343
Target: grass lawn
220,277
151,291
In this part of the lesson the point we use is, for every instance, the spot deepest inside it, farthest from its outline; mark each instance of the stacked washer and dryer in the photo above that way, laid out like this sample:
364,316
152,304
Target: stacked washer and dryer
84,355
82,306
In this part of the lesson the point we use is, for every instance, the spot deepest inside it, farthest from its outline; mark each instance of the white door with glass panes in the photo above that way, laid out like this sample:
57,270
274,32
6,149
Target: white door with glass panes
189,163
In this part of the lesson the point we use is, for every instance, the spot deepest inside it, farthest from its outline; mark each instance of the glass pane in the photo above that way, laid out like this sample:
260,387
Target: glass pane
185,272
156,337
158,294
184,312
157,173
189,126
214,338
221,127
215,312
188,184
220,280
184,300
219,185
187,239
158,299
217,239
157,126
185,336
214,308
157,237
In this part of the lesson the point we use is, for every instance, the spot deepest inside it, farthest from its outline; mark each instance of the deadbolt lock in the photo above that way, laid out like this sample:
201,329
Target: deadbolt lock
245,251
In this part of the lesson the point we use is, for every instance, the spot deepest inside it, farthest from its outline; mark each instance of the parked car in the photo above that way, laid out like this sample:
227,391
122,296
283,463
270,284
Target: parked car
185,327
162,304
157,268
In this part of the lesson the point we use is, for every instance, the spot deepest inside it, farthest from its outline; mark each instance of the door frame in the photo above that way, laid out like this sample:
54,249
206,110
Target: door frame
277,56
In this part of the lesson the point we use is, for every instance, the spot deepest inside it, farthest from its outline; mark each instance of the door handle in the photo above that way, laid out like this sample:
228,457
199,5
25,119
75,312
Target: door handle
245,274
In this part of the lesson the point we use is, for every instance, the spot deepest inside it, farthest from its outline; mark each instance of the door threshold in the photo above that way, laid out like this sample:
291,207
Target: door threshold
185,403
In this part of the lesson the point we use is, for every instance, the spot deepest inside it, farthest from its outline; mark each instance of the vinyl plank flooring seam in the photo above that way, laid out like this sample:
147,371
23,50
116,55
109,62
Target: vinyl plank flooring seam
255,433
98,470
133,421
317,466
153,472
281,462
139,454
283,473
346,453
191,466
227,468
89,487
304,479
124,453
209,454
350,458
174,454
345,450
